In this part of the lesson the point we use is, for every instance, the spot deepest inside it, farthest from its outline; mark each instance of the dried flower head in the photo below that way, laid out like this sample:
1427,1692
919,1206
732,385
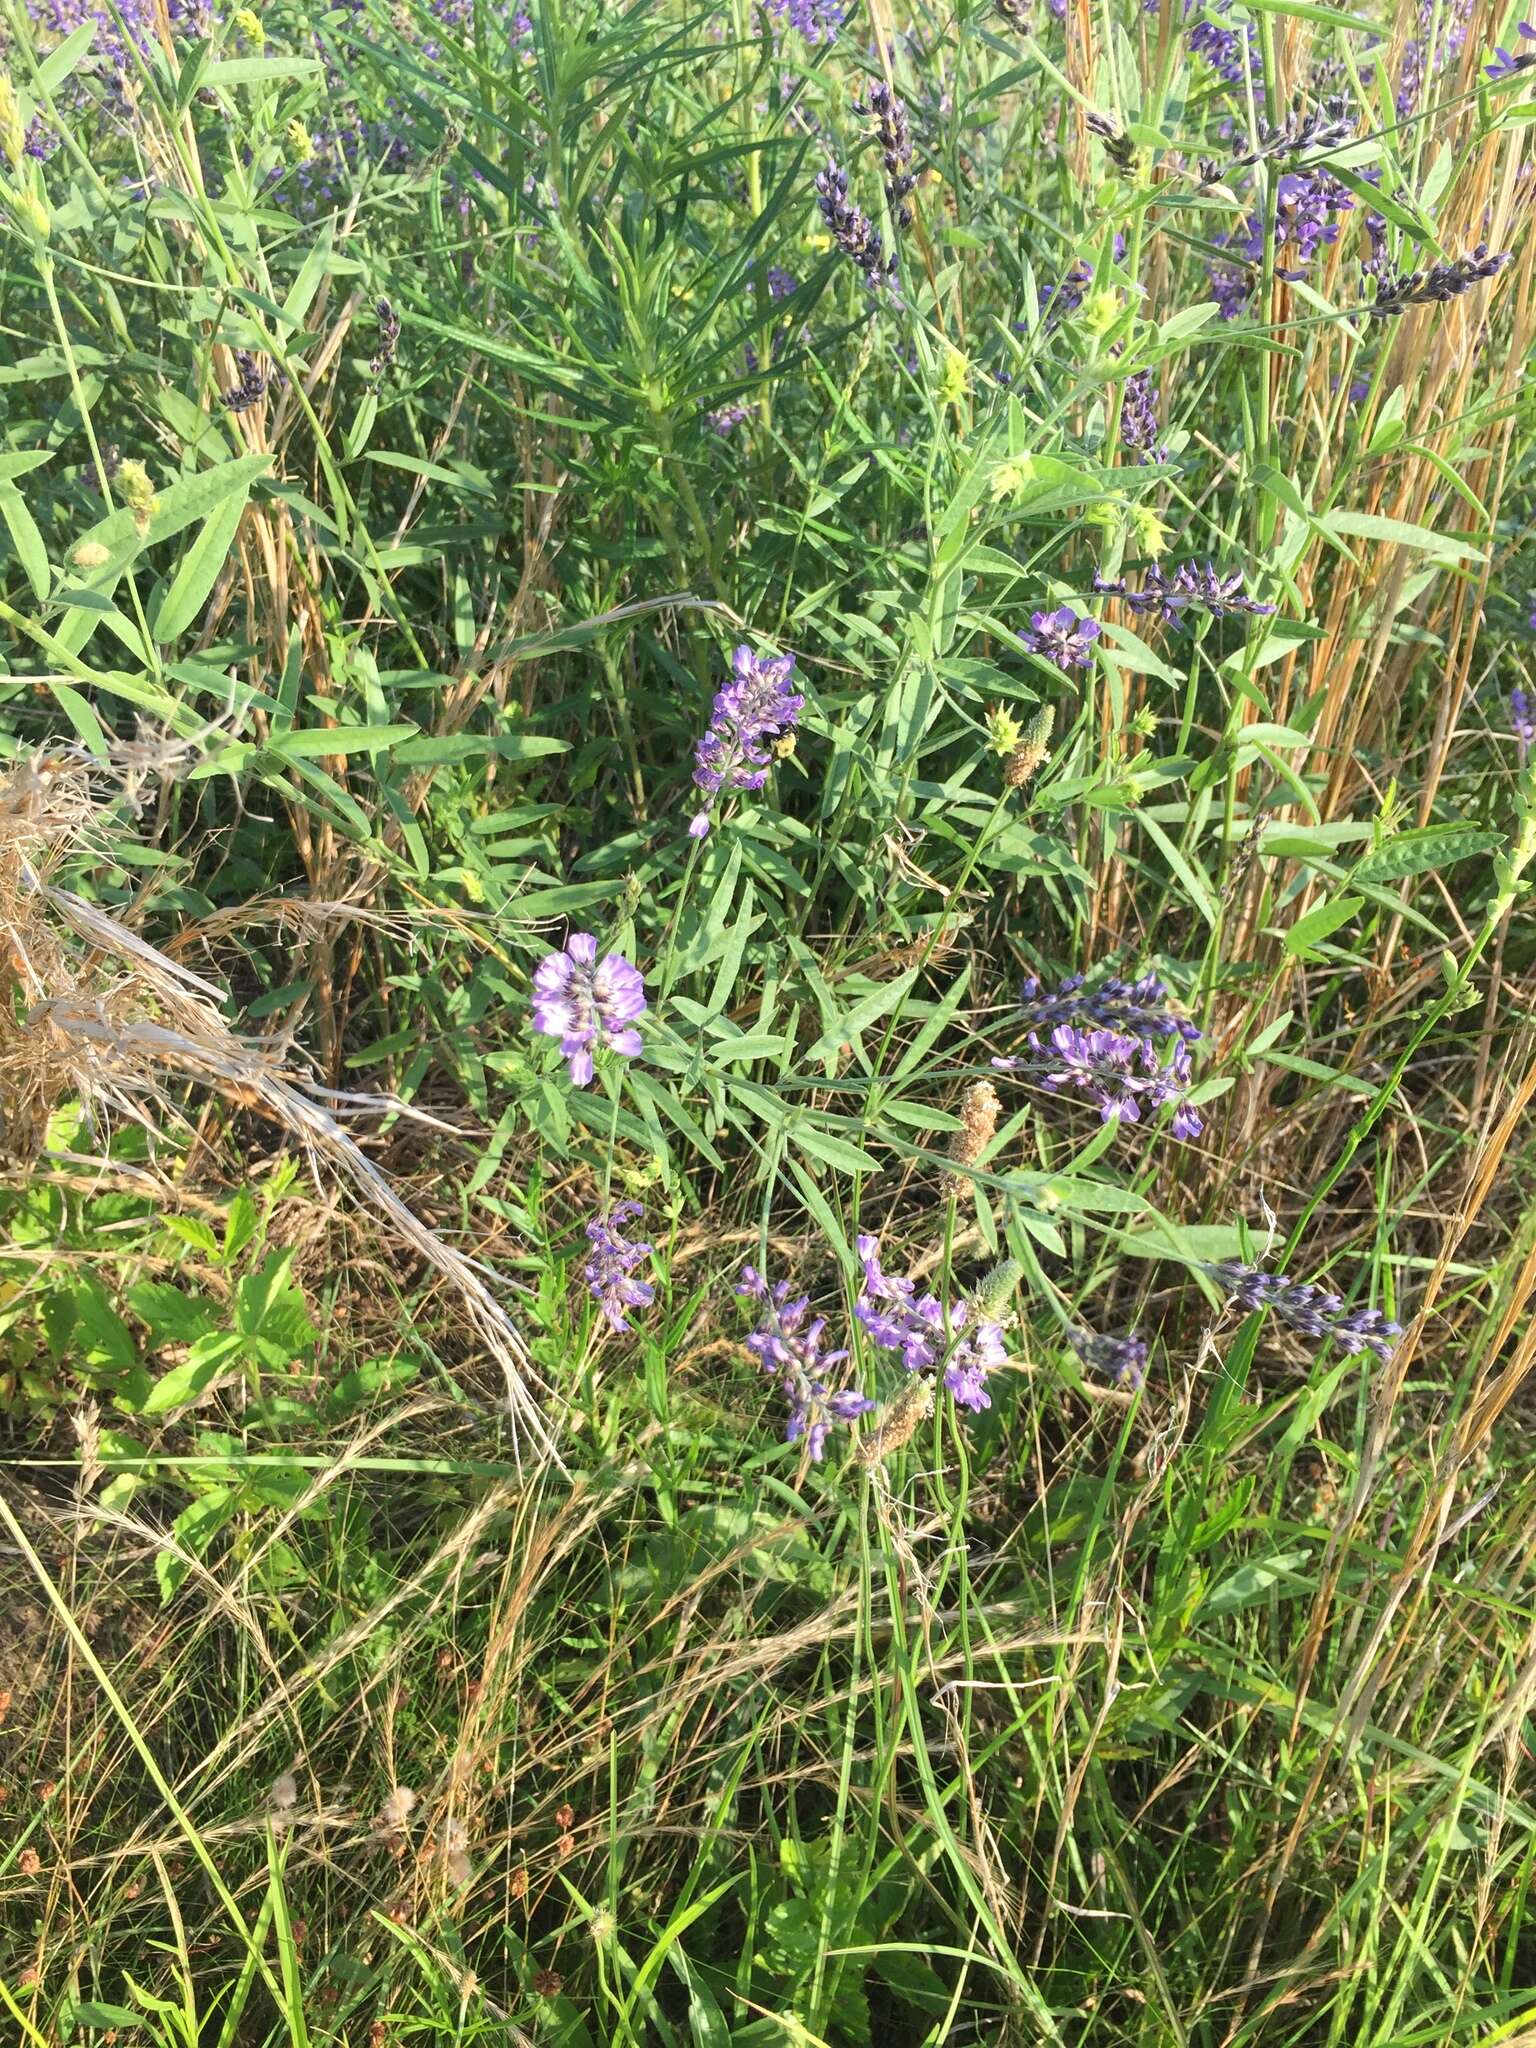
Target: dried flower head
899,1421
1031,751
398,1807
980,1107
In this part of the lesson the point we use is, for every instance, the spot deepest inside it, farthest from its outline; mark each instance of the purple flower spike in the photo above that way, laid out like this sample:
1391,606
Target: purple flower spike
758,704
585,1002
614,1258
1139,428
789,1347
964,1344
1307,1309
1061,636
1108,1044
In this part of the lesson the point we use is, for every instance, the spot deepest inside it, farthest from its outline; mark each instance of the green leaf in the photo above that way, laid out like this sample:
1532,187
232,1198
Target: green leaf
1323,918
835,1151
211,1358
199,568
319,743
1418,851
25,538
172,1315
1374,526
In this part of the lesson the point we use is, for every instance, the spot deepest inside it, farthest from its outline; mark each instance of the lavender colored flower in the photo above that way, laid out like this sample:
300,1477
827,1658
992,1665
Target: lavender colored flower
816,21
1438,285
585,1003
789,1347
725,419
1123,1360
1119,1044
1062,636
1425,54
853,230
1233,53
759,703
959,1342
251,387
1231,286
1139,426
1309,1310
895,137
1523,716
1505,65
609,1270
1193,585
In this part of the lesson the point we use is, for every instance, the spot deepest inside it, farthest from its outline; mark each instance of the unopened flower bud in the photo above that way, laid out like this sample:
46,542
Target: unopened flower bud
992,1298
298,144
137,493
249,26
13,134
32,213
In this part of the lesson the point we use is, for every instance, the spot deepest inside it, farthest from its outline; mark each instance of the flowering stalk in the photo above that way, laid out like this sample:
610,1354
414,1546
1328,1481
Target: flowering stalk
1309,1310
961,1343
759,703
609,1270
789,1347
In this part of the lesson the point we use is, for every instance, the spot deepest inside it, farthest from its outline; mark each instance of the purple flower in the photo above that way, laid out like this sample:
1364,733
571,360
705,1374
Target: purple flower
1139,427
1504,65
1234,54
1231,287
1061,636
961,1342
1058,300
1200,585
1109,1044
727,418
817,21
1307,1309
585,1002
614,1259
1121,1359
757,704
1523,714
895,138
789,1347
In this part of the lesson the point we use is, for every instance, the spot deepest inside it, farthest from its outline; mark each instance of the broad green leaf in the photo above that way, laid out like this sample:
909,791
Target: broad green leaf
210,1359
1418,851
25,538
199,568
1323,918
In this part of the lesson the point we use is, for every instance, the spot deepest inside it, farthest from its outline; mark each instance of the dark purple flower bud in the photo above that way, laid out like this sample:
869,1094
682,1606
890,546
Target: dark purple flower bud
1117,145
758,704
389,336
1325,130
895,137
1061,636
1139,428
1122,1360
853,230
609,1270
725,419
1058,300
252,386
585,1003
1436,286
1307,1309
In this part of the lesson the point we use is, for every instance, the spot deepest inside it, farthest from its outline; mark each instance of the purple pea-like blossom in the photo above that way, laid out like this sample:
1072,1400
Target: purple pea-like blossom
789,1347
1504,64
1424,54
725,419
1198,586
1066,296
759,703
250,387
609,1271
1309,1310
1232,53
1061,636
1523,717
1122,1360
586,1002
958,1341
1119,1044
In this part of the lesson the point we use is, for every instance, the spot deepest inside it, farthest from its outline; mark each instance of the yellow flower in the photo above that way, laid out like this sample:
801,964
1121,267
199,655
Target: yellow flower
1151,534
249,26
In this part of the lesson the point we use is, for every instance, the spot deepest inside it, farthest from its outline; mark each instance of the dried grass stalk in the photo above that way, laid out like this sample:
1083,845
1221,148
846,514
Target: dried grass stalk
98,1013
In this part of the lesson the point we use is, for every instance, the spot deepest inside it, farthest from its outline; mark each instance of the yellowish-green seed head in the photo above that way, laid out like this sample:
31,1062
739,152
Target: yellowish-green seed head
1150,533
13,133
249,26
1101,310
1004,731
90,554
32,213
992,1298
137,492
1010,478
955,377
298,143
